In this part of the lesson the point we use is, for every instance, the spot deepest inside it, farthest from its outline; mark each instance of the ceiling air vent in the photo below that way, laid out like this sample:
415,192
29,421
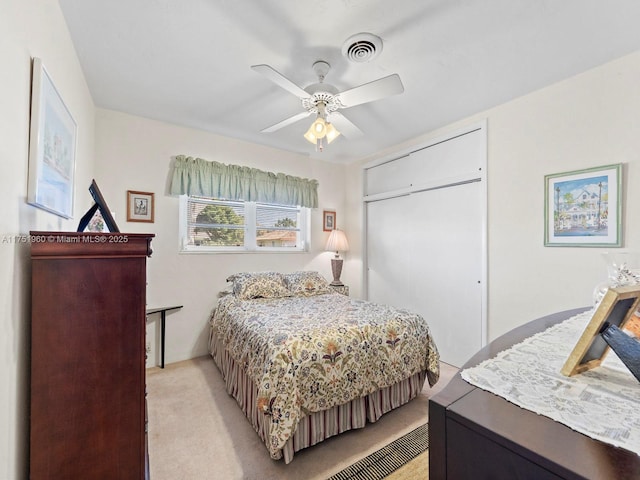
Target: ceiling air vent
362,47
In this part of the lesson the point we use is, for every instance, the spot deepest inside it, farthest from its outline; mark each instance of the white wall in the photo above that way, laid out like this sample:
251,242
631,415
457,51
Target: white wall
588,120
134,153
29,28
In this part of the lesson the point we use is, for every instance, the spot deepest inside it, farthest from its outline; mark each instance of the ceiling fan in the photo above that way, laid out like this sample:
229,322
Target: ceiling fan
325,100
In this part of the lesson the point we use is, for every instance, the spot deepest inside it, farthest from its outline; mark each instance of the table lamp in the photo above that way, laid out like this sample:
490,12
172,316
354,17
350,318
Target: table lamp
337,243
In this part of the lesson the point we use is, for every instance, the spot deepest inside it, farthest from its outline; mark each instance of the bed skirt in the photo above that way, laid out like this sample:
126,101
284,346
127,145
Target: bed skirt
318,426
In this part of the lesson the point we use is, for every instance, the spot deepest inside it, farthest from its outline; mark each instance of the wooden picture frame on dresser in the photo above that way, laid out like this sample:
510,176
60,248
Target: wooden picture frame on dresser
88,355
616,307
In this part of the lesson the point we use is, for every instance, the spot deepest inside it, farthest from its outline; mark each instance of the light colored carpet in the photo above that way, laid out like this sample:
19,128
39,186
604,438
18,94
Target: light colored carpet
198,432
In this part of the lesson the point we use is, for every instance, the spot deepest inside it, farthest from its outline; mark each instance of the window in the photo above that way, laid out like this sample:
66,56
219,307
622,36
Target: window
210,225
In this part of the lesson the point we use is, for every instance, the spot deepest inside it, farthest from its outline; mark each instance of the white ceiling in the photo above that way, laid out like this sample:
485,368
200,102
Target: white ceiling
187,62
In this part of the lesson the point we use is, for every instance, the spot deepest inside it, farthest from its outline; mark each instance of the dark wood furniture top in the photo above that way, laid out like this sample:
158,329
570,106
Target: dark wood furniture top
88,355
476,434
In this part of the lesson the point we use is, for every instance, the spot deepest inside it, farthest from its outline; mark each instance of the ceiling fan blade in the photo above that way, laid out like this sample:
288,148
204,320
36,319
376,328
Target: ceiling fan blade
285,122
369,92
280,80
344,125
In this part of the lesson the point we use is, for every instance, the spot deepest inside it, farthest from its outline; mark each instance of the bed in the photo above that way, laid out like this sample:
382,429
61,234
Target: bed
306,363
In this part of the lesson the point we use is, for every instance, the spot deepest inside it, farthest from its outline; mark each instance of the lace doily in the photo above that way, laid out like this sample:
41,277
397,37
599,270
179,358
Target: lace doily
602,403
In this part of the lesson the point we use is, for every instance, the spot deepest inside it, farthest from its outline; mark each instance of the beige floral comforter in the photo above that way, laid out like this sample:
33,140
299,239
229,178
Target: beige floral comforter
308,354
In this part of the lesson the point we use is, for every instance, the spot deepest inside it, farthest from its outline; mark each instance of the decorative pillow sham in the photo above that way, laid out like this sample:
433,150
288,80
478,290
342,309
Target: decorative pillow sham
306,284
248,285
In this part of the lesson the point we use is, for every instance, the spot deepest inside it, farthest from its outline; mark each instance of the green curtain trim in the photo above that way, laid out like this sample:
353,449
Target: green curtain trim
203,178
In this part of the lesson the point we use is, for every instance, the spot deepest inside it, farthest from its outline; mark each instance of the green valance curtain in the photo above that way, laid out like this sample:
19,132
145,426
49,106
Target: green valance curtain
198,177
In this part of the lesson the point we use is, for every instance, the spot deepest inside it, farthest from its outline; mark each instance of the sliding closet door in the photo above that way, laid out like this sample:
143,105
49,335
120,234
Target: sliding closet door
446,268
425,217
388,251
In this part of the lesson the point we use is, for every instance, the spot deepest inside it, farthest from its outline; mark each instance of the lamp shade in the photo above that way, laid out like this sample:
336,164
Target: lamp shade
310,137
332,133
317,130
337,242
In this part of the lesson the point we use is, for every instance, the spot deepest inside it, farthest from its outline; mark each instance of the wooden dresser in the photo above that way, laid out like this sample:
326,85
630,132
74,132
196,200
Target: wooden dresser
476,434
88,356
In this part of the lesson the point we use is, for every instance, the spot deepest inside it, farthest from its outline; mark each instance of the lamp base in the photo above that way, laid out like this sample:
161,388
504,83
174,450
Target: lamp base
336,269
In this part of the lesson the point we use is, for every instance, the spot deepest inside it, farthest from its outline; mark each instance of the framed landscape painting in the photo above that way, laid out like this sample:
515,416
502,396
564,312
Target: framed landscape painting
583,208
52,147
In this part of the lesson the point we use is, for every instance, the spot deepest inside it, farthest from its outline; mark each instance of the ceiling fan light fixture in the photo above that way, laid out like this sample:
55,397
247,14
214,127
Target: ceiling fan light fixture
325,100
321,132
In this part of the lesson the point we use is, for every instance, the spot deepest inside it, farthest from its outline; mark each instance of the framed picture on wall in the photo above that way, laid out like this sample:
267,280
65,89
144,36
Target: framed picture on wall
583,208
140,206
328,220
52,147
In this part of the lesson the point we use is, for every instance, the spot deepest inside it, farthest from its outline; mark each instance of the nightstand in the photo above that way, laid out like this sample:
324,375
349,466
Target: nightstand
343,289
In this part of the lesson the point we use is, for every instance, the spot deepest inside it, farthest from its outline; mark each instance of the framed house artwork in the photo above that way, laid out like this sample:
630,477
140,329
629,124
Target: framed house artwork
140,206
583,208
328,220
52,147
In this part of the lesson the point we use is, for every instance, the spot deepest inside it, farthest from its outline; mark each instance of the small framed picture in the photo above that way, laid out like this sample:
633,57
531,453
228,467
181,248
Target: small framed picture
140,206
583,208
328,220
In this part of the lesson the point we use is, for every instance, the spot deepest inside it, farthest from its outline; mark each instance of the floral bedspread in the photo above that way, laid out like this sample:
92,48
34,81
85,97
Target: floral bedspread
308,354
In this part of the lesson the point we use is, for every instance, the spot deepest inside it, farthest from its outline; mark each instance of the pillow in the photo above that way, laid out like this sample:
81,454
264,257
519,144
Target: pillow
250,285
306,284
225,292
